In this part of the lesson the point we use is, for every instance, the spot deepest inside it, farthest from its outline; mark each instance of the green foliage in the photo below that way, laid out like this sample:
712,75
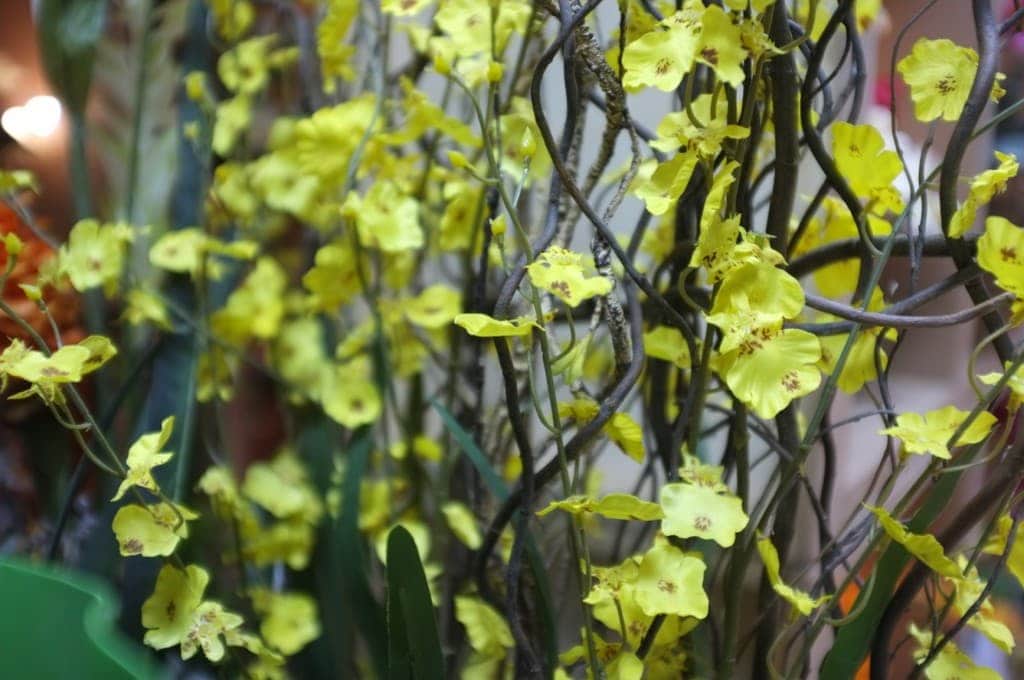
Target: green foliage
414,648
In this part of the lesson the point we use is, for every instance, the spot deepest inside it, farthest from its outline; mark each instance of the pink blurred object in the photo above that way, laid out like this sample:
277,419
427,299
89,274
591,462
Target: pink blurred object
1017,43
882,95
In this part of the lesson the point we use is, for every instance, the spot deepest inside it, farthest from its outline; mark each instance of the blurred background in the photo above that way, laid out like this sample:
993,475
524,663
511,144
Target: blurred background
34,135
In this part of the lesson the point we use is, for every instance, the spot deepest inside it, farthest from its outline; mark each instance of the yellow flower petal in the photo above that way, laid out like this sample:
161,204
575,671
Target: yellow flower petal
800,601
167,613
940,74
693,511
667,343
1001,253
462,523
671,582
435,307
143,456
290,620
613,506
870,169
931,432
150,530
627,435
924,547
487,631
771,368
984,188
484,326
561,272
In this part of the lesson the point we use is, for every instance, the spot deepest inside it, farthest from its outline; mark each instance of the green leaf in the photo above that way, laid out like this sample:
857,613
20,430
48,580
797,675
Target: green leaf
414,647
359,601
68,31
491,478
497,487
853,641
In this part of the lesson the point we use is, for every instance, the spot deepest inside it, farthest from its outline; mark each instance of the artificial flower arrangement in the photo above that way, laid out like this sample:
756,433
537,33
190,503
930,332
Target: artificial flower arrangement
457,296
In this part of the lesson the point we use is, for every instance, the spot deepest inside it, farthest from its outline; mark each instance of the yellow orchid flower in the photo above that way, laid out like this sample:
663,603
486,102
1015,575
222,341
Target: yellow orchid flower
951,662
984,187
771,367
697,511
143,456
290,620
167,613
931,432
94,255
151,530
861,157
671,581
940,74
1001,253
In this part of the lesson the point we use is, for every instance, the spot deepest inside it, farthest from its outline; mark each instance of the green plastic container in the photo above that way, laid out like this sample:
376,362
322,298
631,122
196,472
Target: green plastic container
56,623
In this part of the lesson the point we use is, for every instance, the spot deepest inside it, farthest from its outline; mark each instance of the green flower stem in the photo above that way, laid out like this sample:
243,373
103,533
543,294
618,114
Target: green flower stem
76,398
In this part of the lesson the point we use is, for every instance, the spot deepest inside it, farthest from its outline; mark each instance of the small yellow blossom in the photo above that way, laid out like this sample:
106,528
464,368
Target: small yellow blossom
984,188
940,74
661,57
151,530
697,511
290,620
167,613
951,662
435,307
561,272
233,118
1001,253
94,254
671,581
932,431
143,456
245,68
771,368
386,218
864,162
349,396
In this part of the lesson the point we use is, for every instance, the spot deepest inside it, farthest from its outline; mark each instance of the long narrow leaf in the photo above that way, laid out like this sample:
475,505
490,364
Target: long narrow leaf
853,641
362,609
491,478
498,487
414,647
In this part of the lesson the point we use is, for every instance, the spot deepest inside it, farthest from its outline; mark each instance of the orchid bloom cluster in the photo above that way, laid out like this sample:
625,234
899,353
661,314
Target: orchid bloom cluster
461,304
